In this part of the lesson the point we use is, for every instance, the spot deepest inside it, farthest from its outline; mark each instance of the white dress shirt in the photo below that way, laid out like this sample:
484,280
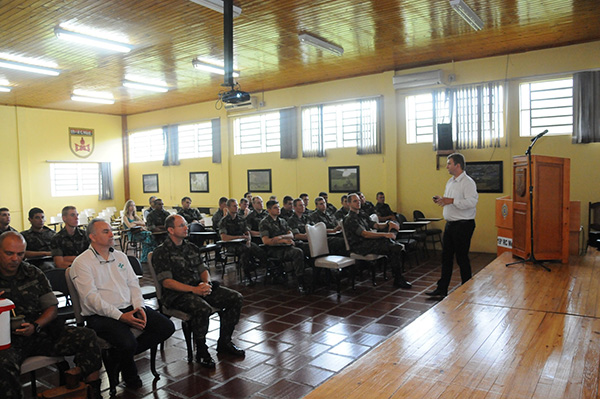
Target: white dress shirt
464,192
104,287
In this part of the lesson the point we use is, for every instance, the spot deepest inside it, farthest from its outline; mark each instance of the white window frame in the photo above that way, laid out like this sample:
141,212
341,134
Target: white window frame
147,145
195,140
70,179
546,104
257,133
422,116
338,124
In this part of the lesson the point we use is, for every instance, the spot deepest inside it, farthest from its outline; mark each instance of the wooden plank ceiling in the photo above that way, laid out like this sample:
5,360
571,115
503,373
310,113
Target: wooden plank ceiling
377,36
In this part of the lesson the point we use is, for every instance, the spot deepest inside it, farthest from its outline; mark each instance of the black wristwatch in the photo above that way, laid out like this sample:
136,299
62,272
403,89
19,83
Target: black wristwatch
37,327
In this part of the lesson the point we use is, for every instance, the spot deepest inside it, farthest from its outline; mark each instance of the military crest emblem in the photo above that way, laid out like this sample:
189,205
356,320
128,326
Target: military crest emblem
81,141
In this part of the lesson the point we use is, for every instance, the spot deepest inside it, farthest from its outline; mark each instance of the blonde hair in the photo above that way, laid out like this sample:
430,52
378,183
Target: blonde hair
126,210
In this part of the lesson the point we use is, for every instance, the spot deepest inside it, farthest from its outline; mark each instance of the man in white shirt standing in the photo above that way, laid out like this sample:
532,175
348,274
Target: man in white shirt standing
112,302
459,203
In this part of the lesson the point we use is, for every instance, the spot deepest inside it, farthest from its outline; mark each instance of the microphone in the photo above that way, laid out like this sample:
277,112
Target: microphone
540,135
111,249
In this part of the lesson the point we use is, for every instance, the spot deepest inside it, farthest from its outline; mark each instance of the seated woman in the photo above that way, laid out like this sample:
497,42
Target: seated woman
137,230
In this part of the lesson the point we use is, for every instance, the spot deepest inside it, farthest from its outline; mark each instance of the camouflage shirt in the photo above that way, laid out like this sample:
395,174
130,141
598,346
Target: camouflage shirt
30,291
354,225
298,224
383,210
38,240
181,263
63,244
270,227
341,213
190,214
368,208
233,227
286,214
331,208
8,228
156,218
325,217
254,218
216,219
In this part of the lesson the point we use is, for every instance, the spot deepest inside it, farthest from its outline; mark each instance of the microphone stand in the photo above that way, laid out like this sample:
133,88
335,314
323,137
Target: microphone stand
531,258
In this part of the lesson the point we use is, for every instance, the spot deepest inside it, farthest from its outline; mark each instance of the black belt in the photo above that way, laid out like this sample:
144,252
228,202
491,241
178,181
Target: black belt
461,221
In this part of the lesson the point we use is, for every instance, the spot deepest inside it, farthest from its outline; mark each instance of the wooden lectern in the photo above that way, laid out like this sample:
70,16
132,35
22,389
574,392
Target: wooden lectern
551,184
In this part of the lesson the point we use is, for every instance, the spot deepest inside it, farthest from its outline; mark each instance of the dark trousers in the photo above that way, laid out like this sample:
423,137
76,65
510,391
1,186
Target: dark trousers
289,254
119,335
229,303
456,242
247,253
383,246
62,341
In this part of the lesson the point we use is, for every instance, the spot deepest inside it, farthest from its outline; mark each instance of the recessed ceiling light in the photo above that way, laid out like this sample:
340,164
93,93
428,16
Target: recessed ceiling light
93,41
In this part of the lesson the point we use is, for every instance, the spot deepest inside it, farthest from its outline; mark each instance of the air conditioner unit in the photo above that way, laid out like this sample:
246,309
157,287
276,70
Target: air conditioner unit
419,79
252,104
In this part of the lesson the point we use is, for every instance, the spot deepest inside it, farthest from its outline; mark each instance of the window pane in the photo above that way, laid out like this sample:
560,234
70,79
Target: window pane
146,146
546,104
195,140
257,133
74,179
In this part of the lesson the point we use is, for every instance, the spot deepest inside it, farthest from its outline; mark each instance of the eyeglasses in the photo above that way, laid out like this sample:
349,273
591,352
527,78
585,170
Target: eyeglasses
101,260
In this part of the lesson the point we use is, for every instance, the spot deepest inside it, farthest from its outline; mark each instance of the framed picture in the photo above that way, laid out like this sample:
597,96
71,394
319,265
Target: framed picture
150,183
487,175
344,179
199,182
259,180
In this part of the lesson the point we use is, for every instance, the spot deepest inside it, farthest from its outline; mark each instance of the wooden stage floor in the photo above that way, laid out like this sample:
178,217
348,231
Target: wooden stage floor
511,332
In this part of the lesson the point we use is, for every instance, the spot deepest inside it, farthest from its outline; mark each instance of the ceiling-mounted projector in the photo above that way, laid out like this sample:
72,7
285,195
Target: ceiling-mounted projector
235,97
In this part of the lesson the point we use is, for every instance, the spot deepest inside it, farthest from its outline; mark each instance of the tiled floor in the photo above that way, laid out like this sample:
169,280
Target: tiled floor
293,342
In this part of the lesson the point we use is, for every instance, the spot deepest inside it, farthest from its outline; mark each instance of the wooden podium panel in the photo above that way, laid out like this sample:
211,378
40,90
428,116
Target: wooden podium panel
504,223
551,184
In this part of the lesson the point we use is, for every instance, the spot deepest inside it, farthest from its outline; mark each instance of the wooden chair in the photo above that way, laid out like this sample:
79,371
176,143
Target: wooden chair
319,252
109,364
371,259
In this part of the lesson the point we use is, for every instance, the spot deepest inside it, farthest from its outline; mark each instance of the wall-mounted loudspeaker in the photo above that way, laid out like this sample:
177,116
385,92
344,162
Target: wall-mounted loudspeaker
444,137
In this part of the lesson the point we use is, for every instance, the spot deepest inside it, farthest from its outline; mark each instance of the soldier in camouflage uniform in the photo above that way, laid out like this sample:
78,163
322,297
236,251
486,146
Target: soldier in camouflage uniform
277,236
297,223
219,214
187,287
41,333
253,219
38,239
336,244
68,243
365,206
341,213
155,221
190,214
233,227
383,210
331,209
5,221
364,241
288,208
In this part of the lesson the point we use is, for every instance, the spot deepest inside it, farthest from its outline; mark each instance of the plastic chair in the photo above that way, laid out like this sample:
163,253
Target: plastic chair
319,252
